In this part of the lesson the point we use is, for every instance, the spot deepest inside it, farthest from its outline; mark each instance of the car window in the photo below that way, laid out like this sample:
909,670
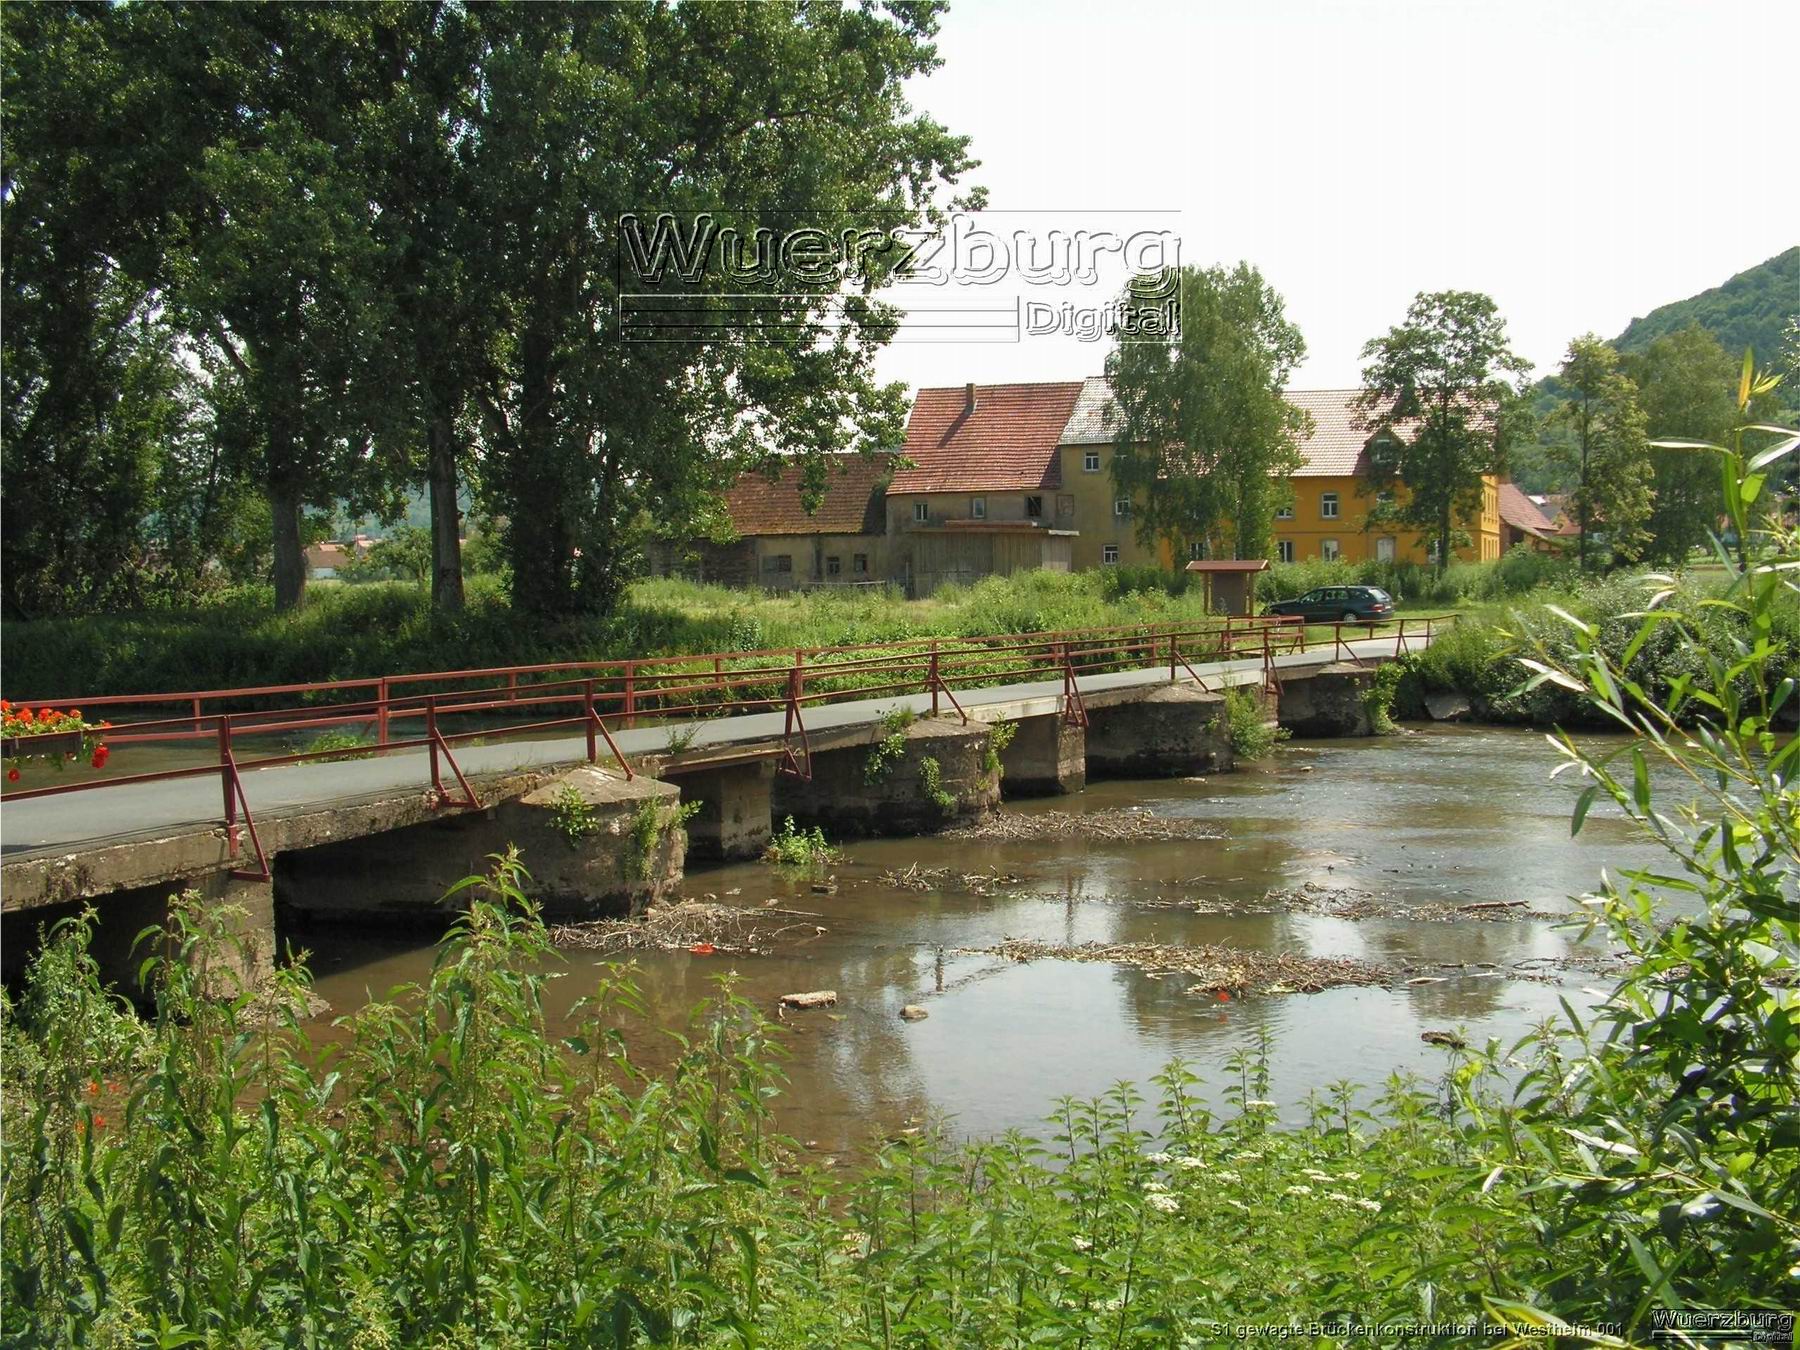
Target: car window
1310,597
1376,593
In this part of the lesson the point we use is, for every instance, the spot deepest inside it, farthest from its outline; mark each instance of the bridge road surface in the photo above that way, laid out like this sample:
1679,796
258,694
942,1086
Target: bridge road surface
72,822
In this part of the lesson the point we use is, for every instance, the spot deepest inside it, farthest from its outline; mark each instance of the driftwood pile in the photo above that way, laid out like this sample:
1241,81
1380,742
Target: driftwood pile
1110,826
686,925
917,878
1215,969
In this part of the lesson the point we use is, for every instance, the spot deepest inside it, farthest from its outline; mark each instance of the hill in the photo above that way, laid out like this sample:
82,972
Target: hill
1750,310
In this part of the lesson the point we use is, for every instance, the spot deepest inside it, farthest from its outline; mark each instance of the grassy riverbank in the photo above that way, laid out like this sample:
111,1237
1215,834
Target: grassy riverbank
383,628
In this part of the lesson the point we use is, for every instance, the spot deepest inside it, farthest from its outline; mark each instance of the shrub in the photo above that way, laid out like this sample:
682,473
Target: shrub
1252,736
792,847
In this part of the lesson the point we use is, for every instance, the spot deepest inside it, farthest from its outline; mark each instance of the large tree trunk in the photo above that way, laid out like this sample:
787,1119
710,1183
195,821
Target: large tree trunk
446,542
290,555
538,535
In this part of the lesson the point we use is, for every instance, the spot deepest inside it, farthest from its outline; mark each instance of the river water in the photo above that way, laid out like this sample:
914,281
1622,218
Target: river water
1435,817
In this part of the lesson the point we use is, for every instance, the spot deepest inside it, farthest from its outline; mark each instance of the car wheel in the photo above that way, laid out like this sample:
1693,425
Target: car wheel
1351,616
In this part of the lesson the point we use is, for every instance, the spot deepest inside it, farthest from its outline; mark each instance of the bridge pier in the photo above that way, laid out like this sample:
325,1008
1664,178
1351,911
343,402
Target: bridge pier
595,844
1047,757
1173,732
940,778
1331,701
735,808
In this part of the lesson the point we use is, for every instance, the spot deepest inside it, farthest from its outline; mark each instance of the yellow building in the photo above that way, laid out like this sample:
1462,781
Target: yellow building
1334,493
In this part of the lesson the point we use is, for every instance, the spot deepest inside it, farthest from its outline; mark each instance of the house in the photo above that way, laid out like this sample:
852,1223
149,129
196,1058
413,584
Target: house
780,545
1521,522
985,494
1334,492
1003,478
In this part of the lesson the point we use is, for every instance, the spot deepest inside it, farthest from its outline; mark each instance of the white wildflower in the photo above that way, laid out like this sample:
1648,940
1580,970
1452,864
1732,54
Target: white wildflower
1299,1190
1081,1244
1155,1187
1248,1155
1190,1163
1237,1204
1316,1174
1226,1174
1341,1198
1164,1204
1373,1206
1158,1158
1353,1176
1258,1103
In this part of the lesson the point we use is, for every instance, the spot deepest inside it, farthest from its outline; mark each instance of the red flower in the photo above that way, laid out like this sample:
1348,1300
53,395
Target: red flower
12,775
100,754
24,714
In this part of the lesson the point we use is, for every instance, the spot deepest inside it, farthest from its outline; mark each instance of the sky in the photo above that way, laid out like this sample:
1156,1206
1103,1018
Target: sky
1582,161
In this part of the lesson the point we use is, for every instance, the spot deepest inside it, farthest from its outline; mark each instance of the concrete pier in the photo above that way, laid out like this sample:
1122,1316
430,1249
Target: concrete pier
595,844
1047,758
1332,701
1172,732
939,778
735,808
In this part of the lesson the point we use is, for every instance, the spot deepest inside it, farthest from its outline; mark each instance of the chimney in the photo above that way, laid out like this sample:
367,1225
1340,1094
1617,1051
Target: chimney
968,399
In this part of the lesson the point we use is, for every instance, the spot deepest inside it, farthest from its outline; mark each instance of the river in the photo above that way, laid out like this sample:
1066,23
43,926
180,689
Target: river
1435,817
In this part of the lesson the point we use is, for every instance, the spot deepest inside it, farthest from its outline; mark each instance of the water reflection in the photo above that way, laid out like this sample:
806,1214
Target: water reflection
1440,817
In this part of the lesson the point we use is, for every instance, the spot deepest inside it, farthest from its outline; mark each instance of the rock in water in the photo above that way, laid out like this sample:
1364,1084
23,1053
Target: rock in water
1449,1038
912,1012
818,998
1447,705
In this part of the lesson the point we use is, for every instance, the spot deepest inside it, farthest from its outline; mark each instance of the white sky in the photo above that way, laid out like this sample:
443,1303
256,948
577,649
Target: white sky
1581,161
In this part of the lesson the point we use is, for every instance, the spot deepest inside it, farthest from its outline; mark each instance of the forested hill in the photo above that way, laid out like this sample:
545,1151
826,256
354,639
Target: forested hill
1750,310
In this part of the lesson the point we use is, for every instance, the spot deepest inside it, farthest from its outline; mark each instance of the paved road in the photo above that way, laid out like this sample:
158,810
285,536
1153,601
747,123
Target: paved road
65,824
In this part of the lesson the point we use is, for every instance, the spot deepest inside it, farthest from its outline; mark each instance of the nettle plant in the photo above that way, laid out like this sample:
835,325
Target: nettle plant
1665,1139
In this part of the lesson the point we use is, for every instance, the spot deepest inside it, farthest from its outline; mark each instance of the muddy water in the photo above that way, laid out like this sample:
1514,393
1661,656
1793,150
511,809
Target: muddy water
1439,816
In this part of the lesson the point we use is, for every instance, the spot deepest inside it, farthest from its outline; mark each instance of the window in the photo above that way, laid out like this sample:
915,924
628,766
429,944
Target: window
778,562
1284,550
1109,553
1384,548
1328,550
1385,498
834,567
1090,461
1284,513
921,512
1122,508
1065,506
1328,506
978,508
1034,508
1197,551
859,564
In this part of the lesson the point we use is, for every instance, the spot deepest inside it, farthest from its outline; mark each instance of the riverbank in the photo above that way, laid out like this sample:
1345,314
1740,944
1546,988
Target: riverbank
375,629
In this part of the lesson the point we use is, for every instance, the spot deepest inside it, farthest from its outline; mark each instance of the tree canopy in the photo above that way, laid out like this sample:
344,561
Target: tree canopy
1443,385
1607,450
1204,438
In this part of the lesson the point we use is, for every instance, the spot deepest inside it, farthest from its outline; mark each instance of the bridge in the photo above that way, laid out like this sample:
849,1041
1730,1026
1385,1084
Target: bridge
429,772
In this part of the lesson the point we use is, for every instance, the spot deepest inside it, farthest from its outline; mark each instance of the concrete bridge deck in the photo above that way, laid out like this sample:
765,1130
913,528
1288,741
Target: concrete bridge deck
58,847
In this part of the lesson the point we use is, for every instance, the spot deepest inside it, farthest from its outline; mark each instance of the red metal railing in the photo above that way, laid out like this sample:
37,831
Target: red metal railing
565,695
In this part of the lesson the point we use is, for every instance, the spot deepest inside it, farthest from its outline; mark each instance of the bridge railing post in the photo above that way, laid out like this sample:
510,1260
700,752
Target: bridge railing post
587,703
431,741
630,694
932,677
228,781
381,711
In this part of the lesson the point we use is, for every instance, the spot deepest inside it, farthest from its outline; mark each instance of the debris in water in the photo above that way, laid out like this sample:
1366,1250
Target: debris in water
916,878
818,998
1219,971
689,925
1449,1038
1112,826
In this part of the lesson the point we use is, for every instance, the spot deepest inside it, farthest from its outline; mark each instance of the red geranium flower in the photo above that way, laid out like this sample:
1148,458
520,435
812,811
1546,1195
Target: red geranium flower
12,775
100,754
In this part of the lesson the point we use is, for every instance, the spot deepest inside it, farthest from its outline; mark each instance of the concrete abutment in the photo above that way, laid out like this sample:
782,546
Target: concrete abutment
1046,758
1173,732
938,777
1332,701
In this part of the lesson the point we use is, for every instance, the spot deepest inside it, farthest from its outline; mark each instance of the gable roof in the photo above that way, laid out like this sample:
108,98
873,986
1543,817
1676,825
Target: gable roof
1518,511
1007,442
1337,448
852,504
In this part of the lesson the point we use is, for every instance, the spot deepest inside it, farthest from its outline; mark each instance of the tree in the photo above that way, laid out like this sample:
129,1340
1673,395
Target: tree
1205,440
1607,450
1437,386
1685,382
771,115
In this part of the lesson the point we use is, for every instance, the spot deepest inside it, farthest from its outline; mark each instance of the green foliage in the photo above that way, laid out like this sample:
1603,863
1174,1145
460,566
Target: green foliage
1204,438
1606,450
1252,737
342,739
1379,701
890,749
572,814
1439,393
1685,381
1518,572
792,847
931,783
648,824
1747,311
1000,735
679,737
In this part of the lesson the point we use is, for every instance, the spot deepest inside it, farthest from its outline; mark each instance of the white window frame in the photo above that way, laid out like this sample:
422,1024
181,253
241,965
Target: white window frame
1284,550
978,508
921,513
1121,508
1284,513
1329,550
1328,506
1109,555
1090,461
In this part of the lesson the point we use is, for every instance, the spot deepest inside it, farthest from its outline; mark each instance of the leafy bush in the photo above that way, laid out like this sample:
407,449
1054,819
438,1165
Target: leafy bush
792,847
1252,736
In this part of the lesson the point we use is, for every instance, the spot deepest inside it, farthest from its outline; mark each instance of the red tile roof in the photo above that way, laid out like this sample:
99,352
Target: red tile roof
1008,442
1518,511
852,504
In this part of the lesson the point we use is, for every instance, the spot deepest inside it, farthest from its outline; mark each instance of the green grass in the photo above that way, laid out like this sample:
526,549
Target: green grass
364,631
